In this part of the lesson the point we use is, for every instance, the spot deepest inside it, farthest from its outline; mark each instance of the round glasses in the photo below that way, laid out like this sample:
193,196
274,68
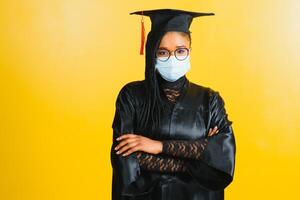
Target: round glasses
180,54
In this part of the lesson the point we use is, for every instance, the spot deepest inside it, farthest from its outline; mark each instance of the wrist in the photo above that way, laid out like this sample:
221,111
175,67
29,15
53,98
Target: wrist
159,147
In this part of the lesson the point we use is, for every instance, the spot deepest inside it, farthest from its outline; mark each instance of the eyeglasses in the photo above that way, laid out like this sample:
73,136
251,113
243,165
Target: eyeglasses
180,54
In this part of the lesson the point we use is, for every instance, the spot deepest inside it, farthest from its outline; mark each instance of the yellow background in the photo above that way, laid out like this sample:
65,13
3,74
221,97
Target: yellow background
63,62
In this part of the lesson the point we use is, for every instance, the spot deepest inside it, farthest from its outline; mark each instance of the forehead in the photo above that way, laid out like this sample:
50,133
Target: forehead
173,39
175,35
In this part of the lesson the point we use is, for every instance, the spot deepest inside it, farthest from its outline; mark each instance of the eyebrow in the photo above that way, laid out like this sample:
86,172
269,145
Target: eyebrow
176,47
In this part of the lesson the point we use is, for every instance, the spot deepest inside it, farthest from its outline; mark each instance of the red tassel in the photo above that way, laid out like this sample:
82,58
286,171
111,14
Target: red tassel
142,36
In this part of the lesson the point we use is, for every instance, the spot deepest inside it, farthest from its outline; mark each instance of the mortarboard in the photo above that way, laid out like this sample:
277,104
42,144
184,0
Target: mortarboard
163,20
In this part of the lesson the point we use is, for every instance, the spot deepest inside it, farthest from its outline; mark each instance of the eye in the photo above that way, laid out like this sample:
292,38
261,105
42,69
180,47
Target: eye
181,51
162,53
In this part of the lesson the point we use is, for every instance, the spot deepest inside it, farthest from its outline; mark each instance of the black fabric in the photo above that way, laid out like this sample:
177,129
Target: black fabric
162,21
171,19
176,148
170,91
192,149
158,163
197,109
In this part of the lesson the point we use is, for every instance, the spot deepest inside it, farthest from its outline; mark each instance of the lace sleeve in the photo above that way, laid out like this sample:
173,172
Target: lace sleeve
174,152
191,149
159,163
182,148
178,149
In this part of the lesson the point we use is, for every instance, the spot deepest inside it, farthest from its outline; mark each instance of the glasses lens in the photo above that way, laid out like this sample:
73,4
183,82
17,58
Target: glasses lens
162,54
181,53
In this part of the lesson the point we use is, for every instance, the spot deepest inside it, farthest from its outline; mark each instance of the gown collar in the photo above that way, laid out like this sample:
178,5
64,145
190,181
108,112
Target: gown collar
181,84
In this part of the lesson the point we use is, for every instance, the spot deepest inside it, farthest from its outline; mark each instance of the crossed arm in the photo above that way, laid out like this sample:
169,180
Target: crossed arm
214,171
162,156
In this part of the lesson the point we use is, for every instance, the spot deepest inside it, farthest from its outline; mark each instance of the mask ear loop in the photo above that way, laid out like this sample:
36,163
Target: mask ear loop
142,35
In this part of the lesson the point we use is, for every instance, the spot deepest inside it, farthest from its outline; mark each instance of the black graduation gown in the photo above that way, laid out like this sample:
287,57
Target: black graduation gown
197,109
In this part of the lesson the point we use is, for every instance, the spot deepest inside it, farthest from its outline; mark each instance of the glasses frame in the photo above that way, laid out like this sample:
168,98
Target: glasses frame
170,53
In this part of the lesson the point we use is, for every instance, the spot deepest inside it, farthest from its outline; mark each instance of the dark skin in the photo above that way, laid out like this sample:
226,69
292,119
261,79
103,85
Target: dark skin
130,142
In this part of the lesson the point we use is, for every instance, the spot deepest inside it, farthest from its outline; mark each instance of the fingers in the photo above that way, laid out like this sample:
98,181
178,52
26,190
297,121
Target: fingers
131,150
213,131
130,147
127,135
128,142
125,142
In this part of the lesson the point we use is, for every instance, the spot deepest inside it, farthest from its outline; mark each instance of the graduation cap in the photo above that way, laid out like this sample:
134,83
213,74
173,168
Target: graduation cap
163,20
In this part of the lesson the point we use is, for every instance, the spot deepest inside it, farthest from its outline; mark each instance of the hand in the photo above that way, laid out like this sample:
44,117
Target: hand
213,131
130,143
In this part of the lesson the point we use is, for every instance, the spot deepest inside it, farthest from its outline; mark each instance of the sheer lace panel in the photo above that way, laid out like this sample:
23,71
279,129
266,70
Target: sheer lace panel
159,163
171,94
185,148
176,150
182,148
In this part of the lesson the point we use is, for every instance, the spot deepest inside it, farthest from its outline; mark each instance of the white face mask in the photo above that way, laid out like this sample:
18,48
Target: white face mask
173,69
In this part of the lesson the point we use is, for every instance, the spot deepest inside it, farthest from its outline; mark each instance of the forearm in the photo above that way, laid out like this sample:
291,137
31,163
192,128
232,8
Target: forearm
160,163
191,149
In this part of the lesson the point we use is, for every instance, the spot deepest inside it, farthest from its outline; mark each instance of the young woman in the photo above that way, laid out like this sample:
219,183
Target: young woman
172,138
